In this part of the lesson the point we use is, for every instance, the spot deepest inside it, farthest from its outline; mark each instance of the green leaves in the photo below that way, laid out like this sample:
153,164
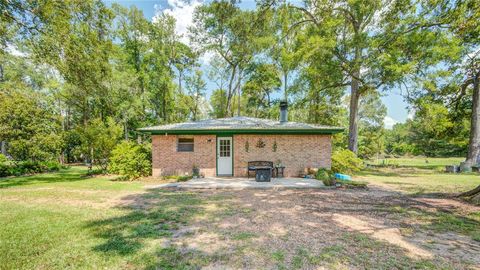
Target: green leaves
235,35
131,160
98,139
433,131
345,161
263,81
92,62
30,127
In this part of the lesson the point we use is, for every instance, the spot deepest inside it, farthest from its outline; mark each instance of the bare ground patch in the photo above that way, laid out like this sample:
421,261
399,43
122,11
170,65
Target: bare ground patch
304,229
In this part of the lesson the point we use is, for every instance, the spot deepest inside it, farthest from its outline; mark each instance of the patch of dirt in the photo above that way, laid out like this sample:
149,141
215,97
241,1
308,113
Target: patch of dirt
381,232
323,229
449,204
451,246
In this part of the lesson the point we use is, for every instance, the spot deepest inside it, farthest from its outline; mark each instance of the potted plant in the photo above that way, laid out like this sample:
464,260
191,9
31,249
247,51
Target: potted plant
301,173
278,163
195,171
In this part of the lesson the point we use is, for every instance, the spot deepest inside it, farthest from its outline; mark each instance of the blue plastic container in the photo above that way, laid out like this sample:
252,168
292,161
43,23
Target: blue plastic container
340,176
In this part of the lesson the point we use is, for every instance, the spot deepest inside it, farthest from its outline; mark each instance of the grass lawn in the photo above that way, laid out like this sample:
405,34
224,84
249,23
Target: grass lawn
44,219
420,181
67,220
418,162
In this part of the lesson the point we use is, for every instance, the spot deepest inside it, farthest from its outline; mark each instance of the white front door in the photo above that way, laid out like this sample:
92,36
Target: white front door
224,156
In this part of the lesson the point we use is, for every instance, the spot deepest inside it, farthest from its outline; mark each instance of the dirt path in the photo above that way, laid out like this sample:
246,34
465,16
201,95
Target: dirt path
315,229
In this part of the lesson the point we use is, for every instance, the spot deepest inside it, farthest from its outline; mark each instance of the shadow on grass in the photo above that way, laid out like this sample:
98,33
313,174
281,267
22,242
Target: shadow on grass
440,218
152,217
147,231
64,175
386,173
443,220
422,193
407,204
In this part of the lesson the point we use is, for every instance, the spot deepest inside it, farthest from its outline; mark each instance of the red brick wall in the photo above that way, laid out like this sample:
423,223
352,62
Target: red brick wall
296,152
167,161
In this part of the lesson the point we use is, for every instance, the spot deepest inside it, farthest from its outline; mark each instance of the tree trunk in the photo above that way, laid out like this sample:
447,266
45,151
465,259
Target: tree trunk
474,143
230,94
239,101
90,165
142,96
3,148
355,92
353,120
164,107
180,82
285,86
1,73
195,108
470,193
476,199
126,130
239,93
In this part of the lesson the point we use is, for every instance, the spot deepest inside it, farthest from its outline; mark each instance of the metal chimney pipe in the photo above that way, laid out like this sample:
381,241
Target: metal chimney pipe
283,112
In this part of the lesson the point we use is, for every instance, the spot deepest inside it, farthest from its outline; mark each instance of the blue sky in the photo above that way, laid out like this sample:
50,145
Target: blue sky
182,11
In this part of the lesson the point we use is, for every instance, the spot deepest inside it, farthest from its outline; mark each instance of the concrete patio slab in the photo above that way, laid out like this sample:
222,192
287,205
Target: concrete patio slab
243,183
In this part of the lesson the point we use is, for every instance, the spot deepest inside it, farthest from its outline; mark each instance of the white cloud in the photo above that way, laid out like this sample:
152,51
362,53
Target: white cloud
411,114
11,49
472,56
389,122
206,57
182,11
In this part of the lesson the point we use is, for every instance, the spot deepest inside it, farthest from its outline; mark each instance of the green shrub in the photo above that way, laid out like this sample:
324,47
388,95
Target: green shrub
353,184
5,170
345,161
53,166
178,178
325,176
329,182
28,167
122,178
97,172
183,178
3,158
322,174
131,160
388,163
31,167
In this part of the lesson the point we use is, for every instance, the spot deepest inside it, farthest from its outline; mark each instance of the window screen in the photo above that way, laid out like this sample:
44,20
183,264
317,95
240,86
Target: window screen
185,145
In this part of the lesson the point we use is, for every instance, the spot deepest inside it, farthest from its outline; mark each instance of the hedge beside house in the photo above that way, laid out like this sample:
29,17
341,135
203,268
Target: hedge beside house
131,160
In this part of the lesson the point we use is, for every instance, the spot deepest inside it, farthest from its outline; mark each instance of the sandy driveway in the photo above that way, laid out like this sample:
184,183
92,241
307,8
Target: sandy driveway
325,229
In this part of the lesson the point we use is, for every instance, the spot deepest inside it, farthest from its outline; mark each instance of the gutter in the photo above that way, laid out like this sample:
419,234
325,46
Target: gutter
329,131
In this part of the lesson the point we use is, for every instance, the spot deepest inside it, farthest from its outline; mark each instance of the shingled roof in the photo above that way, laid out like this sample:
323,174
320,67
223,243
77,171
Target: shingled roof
241,124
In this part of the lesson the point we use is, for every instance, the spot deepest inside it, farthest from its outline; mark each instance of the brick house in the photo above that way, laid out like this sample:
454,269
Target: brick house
223,147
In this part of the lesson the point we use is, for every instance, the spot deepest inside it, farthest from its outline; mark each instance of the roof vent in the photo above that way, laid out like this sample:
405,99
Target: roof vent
283,112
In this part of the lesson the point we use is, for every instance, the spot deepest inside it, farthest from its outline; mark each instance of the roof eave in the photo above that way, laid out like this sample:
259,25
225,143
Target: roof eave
242,131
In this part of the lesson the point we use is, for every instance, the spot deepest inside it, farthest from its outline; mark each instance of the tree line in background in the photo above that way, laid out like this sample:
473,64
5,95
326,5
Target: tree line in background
76,77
